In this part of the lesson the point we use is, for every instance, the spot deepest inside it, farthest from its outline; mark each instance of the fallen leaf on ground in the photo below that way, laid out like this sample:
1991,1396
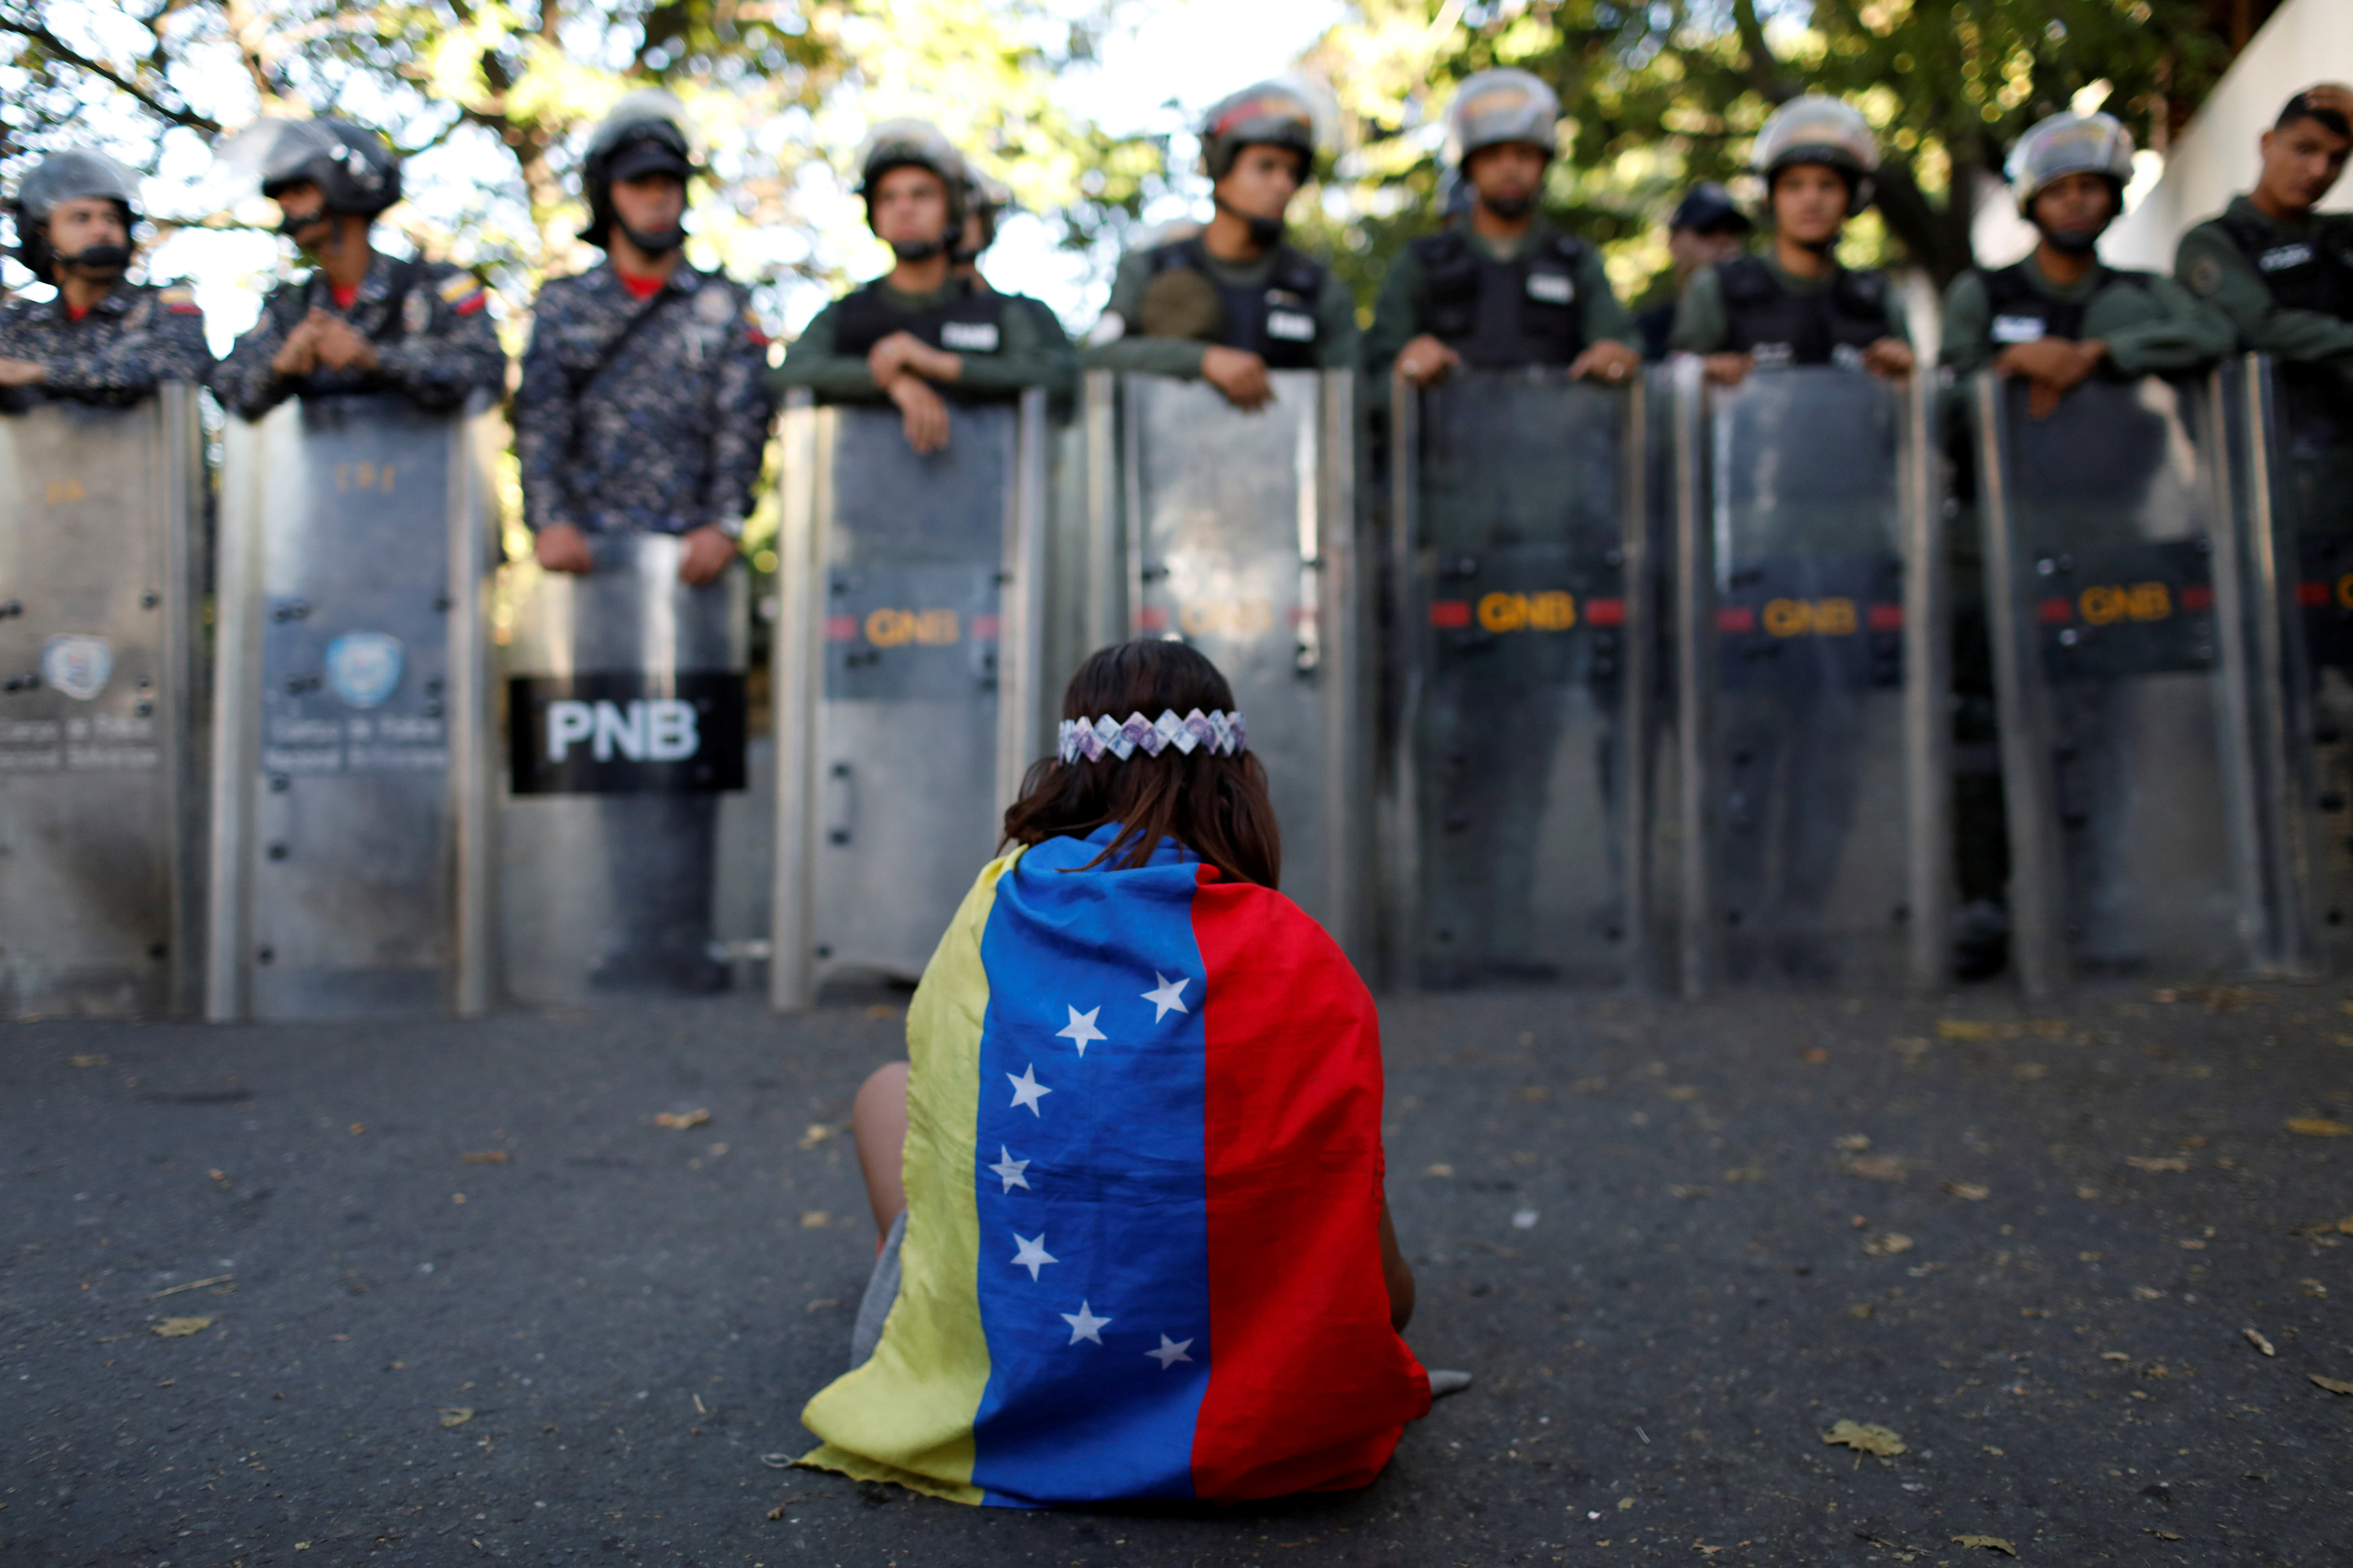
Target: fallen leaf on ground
2161,1534
1744,1173
1852,1142
457,1416
2114,1355
1624,1503
2155,1163
181,1328
817,1133
1813,1058
814,1219
194,1285
681,1119
2255,1338
486,1157
1877,1167
1969,1190
2319,1127
2334,1385
2029,1070
1886,1244
1532,1094
1683,1191
1589,1085
1439,1170
97,1061
1864,1438
776,1513
1990,1542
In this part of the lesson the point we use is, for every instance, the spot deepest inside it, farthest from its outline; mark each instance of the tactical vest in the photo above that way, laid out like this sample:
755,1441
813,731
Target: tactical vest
2022,313
1276,319
969,322
1780,328
1521,311
2315,274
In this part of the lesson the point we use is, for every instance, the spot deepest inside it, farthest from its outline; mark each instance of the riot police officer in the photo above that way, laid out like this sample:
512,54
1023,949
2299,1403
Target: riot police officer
1796,305
985,200
102,339
1505,286
1706,227
644,405
1234,301
2062,315
360,320
920,329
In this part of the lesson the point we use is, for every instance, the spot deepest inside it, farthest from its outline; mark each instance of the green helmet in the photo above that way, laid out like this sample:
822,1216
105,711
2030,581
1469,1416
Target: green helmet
1499,106
1271,114
1818,129
2068,145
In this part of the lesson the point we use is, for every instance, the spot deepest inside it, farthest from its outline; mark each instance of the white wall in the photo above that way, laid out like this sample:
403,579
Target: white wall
2213,159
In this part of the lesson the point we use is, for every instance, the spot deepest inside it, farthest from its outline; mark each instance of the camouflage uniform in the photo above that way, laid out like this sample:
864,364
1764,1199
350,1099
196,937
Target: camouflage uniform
663,437
133,340
436,343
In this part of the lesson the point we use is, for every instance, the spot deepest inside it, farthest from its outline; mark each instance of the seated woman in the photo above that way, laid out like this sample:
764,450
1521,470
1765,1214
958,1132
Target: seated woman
1136,1244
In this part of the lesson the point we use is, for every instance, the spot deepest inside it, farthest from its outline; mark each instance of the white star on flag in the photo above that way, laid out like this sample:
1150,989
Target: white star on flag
1166,998
1027,1090
1009,1168
1033,1254
1170,1352
1082,1028
1085,1325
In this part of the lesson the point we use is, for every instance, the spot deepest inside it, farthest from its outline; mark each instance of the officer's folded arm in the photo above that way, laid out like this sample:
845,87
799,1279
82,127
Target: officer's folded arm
22,373
708,552
562,547
1238,373
1426,360
923,411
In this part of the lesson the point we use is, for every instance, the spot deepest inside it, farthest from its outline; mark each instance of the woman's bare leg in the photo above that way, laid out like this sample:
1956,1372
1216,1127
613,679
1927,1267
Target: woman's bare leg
878,1121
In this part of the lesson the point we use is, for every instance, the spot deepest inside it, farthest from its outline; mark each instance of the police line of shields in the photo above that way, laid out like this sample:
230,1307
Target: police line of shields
1811,680
908,677
1519,839
101,821
1239,532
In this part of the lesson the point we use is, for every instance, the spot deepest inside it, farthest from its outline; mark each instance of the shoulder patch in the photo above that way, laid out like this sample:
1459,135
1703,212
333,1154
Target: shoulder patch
180,301
752,328
456,286
2204,273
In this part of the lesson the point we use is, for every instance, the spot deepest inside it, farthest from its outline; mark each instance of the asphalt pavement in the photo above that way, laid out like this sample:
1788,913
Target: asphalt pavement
2065,1281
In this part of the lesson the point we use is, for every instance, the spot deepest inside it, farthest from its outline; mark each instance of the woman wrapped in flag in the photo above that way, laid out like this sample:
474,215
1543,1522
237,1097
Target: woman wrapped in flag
1131,1179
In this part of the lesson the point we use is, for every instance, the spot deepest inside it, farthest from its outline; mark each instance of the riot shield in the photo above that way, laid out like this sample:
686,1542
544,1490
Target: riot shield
350,798
2120,622
100,791
1236,534
1811,678
907,670
624,718
1519,530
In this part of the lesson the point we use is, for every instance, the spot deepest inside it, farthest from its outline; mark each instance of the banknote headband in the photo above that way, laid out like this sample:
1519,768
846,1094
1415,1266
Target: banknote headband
1094,738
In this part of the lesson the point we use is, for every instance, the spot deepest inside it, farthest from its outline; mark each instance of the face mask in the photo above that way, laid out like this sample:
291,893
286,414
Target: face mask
660,243
99,259
289,224
917,249
1512,207
2072,241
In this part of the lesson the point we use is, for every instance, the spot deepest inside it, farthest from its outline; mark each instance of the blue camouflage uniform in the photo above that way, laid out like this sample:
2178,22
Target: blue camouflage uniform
429,321
660,431
130,342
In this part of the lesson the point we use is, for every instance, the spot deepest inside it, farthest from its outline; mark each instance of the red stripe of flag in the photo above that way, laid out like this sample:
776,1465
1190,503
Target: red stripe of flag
984,628
841,628
1151,618
1309,1386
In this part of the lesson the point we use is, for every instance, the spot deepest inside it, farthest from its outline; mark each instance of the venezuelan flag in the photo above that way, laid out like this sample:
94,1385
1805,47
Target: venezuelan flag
1144,1180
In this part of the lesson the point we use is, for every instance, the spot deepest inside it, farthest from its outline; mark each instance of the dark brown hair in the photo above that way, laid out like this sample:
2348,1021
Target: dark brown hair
2303,107
1217,806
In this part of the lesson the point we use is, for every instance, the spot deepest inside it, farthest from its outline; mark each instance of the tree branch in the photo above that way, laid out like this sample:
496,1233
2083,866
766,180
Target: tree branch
1764,69
58,47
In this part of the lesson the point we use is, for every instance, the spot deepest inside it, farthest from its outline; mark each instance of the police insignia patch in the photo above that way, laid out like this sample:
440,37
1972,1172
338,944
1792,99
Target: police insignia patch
416,313
78,665
456,286
364,668
713,305
2205,274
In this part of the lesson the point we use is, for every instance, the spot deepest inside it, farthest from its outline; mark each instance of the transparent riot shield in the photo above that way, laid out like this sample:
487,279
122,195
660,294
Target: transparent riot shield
625,720
2120,633
100,791
350,825
1237,532
1519,539
1810,678
908,655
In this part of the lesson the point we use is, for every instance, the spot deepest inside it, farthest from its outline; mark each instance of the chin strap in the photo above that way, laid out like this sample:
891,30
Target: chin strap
917,249
107,258
1265,233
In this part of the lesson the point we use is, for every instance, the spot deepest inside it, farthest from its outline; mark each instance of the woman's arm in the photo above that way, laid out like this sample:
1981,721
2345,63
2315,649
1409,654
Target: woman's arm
1395,1273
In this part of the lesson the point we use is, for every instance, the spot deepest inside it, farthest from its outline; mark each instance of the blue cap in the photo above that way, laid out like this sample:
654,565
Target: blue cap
1709,205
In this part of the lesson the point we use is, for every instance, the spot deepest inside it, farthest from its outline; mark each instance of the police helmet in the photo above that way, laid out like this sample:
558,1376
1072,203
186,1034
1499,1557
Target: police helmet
1818,129
1499,106
2068,144
1708,208
355,170
1271,113
913,144
643,134
985,197
75,176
